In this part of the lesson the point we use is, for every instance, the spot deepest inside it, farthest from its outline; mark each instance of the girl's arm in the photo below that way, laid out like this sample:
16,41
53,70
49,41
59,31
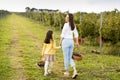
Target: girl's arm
56,46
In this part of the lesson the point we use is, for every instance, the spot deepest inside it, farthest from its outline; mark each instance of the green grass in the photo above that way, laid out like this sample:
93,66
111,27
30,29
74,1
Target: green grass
31,36
5,41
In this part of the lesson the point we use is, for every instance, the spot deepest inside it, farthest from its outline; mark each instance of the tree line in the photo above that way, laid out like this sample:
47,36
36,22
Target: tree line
88,24
4,13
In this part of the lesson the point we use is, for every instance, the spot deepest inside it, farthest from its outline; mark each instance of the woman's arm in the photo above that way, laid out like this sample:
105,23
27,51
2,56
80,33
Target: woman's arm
64,30
76,42
62,34
76,37
61,41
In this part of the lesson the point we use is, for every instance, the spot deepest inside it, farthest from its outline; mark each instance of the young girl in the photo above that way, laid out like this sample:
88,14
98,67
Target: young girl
48,52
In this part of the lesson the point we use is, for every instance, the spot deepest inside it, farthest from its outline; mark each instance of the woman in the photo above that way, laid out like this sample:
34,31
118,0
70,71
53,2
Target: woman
67,44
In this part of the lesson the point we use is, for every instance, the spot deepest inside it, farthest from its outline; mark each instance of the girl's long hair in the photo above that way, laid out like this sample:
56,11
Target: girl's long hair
71,22
48,37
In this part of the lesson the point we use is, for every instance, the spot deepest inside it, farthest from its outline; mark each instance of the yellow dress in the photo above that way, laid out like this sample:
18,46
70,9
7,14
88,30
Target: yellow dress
48,51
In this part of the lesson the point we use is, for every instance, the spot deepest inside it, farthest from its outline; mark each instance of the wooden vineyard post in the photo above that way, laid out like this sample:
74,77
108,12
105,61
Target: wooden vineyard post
60,20
54,21
80,28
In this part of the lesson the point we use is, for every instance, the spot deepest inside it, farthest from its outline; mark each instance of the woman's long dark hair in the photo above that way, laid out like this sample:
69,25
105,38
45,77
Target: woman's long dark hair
48,37
71,22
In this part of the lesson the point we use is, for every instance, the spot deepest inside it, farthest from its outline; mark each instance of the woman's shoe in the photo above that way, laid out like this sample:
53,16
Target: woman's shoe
66,73
45,74
75,75
49,71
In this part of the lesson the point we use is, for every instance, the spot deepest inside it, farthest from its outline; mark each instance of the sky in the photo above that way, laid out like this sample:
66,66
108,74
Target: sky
63,5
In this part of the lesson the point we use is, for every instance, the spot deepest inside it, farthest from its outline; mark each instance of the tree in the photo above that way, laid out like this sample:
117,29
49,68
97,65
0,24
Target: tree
27,9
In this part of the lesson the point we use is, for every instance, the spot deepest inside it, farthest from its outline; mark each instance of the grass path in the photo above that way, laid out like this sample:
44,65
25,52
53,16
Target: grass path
5,41
20,48
14,51
20,33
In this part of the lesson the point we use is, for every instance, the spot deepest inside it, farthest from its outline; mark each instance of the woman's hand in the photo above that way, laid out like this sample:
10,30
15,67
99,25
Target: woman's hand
61,42
77,45
76,42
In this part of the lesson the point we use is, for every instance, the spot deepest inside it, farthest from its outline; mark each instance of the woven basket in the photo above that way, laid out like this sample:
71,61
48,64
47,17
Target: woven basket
77,56
41,63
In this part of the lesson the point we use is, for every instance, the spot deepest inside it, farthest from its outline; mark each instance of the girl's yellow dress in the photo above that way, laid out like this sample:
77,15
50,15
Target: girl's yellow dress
48,51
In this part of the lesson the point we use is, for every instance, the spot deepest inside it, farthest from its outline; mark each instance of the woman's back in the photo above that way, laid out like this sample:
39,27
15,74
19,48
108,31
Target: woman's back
67,32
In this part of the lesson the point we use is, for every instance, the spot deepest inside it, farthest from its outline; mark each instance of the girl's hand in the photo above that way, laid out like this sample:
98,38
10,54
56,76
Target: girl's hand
59,47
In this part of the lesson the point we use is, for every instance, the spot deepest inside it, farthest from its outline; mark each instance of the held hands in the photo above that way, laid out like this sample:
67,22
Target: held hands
59,47
60,44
